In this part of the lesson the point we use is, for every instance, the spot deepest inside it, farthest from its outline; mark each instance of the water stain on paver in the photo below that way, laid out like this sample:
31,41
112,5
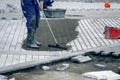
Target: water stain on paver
63,29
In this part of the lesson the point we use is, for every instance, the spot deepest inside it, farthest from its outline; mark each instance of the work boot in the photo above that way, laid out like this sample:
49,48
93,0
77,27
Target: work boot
30,39
33,45
38,43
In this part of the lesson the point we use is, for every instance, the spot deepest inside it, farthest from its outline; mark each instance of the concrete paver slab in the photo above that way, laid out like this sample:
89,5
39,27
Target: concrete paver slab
62,67
81,59
109,75
101,66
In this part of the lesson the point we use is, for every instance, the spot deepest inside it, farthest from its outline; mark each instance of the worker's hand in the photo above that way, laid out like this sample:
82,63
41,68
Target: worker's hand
41,5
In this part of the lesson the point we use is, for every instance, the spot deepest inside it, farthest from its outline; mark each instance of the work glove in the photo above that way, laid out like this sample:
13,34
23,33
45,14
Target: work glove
47,3
41,5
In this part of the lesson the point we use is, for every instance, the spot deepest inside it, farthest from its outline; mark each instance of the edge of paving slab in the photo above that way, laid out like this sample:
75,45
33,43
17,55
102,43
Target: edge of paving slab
45,61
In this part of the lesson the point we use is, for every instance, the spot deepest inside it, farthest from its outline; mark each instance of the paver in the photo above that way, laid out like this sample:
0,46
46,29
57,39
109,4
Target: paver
22,58
91,31
45,68
116,54
81,59
77,44
5,27
3,60
16,35
16,59
12,79
62,67
87,34
105,75
97,52
2,77
96,31
106,53
11,36
9,60
101,66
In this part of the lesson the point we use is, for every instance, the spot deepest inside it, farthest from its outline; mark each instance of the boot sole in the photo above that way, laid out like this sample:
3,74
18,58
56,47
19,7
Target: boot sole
39,44
34,47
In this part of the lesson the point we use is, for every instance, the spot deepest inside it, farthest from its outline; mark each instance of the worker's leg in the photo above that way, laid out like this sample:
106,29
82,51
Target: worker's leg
37,22
30,15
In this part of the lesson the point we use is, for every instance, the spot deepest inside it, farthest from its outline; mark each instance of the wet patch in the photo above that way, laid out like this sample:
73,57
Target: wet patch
63,29
51,75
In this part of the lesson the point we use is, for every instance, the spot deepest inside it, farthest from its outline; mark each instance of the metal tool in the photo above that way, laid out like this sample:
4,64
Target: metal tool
56,42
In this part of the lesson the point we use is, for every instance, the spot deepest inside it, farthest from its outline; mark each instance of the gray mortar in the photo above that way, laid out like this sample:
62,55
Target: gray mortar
63,29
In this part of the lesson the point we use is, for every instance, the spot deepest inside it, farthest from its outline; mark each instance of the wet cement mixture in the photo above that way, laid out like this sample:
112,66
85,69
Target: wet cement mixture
63,29
72,73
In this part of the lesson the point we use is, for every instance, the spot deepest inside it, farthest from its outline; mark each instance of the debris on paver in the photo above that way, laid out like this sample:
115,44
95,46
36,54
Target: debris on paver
12,79
102,75
45,68
105,53
3,77
81,59
116,54
101,66
62,67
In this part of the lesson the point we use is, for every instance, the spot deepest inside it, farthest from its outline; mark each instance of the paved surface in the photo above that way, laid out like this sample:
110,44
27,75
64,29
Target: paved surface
63,29
82,6
13,32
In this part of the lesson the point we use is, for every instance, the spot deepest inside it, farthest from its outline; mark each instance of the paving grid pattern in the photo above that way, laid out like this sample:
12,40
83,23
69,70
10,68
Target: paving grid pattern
13,59
13,32
14,3
91,34
10,9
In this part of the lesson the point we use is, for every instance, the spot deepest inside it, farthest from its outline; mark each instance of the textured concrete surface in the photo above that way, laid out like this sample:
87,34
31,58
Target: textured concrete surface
89,37
90,34
63,29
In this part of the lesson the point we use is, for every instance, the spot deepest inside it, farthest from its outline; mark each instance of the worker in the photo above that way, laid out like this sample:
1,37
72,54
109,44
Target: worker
31,10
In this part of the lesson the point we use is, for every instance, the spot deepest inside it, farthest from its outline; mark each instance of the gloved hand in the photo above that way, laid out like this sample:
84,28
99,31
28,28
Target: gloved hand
41,5
47,3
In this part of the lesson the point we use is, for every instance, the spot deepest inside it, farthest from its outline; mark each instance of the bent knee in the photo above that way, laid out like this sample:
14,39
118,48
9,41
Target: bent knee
33,21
